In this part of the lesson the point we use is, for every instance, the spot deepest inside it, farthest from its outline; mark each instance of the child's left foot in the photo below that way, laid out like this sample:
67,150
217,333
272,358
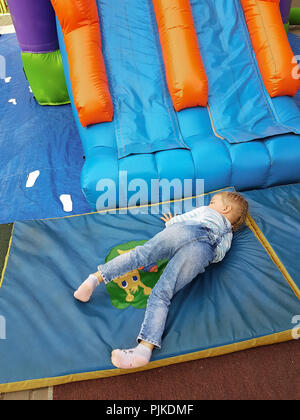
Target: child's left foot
132,358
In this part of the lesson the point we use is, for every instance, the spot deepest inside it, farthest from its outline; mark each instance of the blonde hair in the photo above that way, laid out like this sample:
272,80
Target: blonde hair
241,207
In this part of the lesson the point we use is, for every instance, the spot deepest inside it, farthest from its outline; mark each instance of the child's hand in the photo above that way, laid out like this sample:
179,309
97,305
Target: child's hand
167,217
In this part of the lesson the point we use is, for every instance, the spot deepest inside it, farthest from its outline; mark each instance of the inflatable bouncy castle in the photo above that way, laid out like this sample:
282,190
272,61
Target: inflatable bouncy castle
169,89
160,90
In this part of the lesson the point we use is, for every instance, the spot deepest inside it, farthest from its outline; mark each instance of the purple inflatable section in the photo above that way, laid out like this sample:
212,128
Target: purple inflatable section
34,21
285,7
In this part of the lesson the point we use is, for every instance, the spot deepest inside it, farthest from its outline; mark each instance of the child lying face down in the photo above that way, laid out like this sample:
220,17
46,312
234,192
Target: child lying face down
190,242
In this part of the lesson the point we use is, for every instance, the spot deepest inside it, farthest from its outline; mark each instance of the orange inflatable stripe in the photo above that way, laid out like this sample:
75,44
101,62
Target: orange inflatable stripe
270,43
81,29
185,73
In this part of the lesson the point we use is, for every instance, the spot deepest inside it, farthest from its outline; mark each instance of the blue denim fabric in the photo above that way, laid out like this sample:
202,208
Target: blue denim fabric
189,249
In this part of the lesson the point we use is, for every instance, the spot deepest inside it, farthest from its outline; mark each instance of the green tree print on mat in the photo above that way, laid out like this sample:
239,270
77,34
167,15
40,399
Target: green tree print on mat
135,287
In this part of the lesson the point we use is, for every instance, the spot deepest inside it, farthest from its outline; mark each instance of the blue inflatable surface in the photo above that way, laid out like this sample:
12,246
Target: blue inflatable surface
149,140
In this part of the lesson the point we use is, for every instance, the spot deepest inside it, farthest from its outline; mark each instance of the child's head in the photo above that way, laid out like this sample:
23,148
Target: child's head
231,205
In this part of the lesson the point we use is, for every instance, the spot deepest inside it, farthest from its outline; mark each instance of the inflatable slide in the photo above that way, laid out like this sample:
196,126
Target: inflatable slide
236,122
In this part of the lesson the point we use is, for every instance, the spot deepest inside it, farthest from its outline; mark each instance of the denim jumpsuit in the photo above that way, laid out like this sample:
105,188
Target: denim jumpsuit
190,248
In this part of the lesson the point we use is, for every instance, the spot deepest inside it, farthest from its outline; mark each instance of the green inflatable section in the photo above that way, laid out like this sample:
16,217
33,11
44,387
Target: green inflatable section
46,77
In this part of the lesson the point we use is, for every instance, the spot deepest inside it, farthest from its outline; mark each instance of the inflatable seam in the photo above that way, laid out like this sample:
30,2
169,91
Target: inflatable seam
270,163
228,148
156,165
194,165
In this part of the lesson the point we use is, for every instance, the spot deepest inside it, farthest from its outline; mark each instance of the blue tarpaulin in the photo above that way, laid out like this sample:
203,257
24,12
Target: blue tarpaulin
34,138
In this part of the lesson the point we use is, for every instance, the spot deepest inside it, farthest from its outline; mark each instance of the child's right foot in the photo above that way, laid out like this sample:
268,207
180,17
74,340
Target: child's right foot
85,291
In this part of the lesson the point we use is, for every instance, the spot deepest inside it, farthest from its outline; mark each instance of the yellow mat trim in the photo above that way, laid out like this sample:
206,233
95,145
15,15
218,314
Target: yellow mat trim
272,254
7,256
217,351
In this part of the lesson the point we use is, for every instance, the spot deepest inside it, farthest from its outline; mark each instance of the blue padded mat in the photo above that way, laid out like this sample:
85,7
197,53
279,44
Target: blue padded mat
51,338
